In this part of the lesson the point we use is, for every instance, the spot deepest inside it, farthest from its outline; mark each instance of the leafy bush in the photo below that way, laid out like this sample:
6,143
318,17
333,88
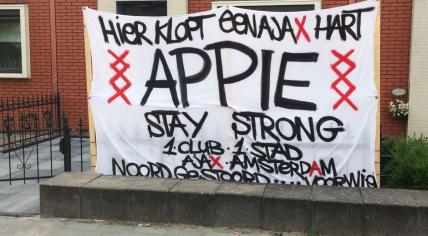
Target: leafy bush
386,145
408,167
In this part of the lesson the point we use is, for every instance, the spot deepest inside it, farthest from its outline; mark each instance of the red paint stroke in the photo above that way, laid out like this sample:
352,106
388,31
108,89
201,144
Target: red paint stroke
342,77
120,73
301,29
216,162
316,168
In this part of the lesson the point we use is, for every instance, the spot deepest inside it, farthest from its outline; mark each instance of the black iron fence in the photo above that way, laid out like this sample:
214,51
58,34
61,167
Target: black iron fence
36,141
27,120
66,148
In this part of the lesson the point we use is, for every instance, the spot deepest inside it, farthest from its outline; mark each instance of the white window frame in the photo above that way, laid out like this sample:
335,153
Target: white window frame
25,41
316,3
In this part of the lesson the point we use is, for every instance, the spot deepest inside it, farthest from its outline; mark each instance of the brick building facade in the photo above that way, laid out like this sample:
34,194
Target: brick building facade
57,53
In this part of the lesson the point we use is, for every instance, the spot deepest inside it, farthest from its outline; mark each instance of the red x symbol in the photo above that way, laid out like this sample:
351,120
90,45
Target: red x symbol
342,77
301,28
120,92
216,161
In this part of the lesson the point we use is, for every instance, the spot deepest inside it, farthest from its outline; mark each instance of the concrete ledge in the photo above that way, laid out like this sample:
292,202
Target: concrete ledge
336,210
287,208
239,205
395,212
61,196
193,202
127,198
323,210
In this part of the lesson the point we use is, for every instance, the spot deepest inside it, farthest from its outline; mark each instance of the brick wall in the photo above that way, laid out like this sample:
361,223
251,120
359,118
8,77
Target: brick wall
395,49
396,18
334,3
70,55
199,5
40,53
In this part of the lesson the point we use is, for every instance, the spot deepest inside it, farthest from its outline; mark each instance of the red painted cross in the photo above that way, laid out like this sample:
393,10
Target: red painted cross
342,77
120,92
301,28
216,161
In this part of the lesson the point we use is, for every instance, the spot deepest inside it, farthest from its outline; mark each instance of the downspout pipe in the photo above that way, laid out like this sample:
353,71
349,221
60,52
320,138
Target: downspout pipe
54,70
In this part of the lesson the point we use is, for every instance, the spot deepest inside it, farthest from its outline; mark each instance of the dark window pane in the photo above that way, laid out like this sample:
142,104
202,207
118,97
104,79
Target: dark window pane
10,42
281,8
10,58
11,15
141,8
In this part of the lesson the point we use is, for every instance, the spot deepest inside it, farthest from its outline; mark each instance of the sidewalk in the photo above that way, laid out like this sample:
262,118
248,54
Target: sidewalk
45,227
21,199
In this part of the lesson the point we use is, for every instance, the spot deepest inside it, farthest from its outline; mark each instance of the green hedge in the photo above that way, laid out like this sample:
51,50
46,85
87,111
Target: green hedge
408,167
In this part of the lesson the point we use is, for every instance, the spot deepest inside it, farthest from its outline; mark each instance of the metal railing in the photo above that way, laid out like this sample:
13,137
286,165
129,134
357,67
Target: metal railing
27,120
36,140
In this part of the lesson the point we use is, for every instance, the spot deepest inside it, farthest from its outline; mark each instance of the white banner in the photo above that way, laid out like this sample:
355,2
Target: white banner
235,94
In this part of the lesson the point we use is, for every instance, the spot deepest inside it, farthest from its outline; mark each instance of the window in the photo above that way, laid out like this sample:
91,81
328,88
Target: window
273,5
144,7
14,46
141,8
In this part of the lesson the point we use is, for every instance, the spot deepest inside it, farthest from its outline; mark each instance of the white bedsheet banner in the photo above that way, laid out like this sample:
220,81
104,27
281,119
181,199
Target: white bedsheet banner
235,94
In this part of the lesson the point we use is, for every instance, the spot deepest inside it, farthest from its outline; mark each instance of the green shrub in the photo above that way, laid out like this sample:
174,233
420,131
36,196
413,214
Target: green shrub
386,145
408,167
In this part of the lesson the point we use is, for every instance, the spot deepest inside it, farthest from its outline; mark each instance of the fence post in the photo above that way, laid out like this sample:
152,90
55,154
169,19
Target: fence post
67,145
